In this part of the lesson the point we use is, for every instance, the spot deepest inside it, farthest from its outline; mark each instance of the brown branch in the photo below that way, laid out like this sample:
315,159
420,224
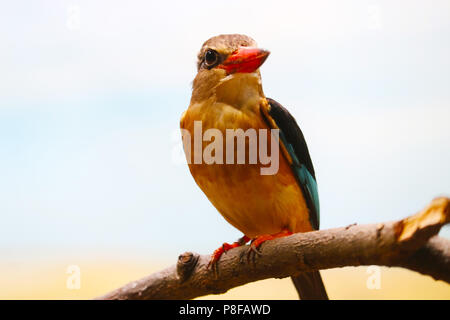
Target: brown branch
409,243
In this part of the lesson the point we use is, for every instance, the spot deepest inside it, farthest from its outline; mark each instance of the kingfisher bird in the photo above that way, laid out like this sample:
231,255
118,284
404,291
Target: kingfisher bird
227,94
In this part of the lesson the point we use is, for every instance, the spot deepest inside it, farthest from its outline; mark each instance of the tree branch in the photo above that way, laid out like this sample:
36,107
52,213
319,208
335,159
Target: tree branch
409,243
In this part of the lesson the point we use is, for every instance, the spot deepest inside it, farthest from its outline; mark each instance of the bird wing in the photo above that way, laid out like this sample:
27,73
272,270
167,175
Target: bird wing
296,151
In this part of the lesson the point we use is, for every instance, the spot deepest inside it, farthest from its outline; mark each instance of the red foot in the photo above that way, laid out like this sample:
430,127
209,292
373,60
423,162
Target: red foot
224,248
258,241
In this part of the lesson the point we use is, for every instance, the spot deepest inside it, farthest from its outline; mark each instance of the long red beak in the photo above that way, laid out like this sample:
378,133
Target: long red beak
244,59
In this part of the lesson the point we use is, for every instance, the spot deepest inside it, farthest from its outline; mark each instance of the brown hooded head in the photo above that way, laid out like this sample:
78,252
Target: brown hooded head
225,55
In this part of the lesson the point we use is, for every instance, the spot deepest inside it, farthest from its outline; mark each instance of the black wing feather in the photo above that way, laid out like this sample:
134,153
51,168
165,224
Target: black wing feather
293,136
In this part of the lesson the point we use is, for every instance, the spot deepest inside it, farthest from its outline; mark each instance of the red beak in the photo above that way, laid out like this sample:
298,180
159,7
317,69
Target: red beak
245,60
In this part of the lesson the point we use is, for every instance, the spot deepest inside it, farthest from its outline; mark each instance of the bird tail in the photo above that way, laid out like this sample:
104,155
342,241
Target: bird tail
310,286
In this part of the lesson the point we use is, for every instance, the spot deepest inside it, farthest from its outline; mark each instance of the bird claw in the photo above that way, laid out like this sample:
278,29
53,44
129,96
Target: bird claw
223,249
216,256
252,252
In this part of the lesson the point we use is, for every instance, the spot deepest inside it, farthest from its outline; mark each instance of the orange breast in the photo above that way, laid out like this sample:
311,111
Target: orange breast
255,204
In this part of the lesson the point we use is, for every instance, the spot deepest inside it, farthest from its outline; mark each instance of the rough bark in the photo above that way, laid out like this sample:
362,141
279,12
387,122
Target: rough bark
410,243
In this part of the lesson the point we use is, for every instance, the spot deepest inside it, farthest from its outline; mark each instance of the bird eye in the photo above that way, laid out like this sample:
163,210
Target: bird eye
211,57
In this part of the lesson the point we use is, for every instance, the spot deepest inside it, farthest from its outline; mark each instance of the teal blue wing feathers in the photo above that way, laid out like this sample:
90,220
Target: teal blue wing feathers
292,138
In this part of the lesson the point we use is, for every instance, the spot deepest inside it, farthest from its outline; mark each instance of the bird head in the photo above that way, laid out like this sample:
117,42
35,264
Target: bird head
227,60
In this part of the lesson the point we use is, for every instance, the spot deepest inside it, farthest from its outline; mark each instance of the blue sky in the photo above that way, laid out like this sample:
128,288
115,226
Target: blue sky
91,95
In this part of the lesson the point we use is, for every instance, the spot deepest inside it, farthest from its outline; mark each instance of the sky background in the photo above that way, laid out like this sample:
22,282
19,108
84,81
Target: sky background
91,93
